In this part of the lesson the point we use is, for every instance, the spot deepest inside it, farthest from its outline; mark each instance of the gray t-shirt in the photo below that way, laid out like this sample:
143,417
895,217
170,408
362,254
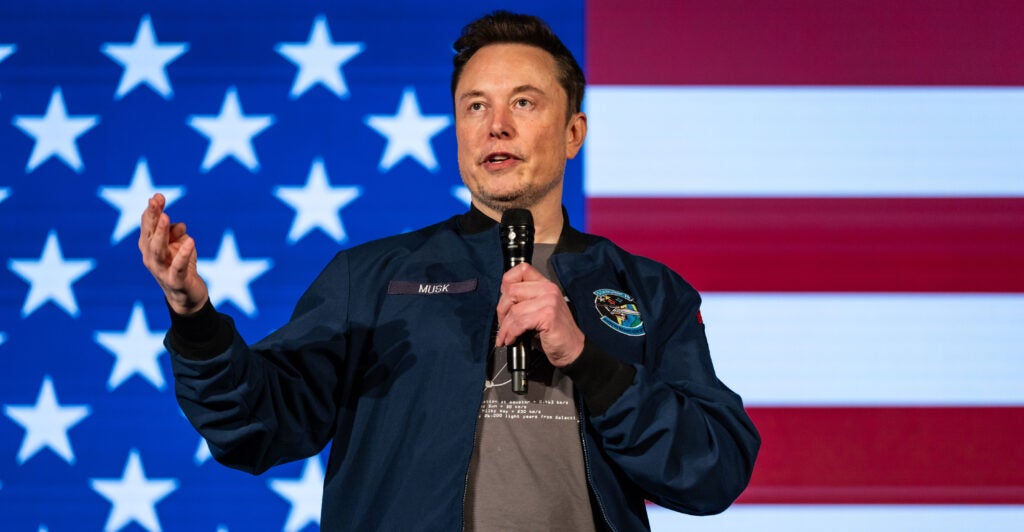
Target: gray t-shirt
527,468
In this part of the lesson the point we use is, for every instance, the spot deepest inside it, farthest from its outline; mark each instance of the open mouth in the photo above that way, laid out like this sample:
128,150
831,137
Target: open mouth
498,157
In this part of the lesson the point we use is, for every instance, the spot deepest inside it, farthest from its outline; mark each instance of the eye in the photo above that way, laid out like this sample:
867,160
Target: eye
476,106
523,103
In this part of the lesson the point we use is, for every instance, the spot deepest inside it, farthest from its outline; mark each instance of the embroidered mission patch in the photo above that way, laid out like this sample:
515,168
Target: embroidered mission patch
618,310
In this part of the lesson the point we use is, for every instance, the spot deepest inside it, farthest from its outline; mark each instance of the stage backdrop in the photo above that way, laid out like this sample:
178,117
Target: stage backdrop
843,181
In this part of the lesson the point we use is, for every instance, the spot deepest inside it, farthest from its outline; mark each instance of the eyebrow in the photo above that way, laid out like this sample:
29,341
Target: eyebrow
516,90
527,88
470,94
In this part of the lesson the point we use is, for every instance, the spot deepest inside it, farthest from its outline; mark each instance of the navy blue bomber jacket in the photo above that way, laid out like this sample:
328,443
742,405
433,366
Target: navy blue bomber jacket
386,361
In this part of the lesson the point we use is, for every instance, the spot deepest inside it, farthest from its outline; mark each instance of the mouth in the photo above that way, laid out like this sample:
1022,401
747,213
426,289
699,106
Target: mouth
499,159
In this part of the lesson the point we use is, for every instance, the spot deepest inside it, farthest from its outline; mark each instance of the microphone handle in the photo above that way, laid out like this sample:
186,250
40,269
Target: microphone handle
517,364
517,241
517,352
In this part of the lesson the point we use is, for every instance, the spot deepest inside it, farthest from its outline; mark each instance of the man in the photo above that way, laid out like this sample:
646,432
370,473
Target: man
395,355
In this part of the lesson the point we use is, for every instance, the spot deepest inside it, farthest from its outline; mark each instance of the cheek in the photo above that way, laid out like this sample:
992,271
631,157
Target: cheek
465,169
463,129
461,138
552,145
462,147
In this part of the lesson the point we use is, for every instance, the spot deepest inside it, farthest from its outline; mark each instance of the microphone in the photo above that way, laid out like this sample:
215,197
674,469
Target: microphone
516,233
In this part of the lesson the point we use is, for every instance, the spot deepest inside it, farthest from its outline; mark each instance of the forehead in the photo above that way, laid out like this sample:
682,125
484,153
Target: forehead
504,65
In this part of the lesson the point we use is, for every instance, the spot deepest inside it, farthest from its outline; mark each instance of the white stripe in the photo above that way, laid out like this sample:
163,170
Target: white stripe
868,349
789,518
676,141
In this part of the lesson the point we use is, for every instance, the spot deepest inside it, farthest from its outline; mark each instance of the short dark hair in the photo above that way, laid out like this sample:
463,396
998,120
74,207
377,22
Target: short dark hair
505,27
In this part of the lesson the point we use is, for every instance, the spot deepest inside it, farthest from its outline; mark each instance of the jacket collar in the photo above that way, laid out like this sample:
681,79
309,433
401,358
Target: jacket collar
569,241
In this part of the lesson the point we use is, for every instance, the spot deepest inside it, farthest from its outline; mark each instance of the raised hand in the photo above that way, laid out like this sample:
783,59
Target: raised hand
169,253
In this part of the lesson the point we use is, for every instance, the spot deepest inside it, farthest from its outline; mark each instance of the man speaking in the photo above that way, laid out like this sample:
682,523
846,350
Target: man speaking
398,351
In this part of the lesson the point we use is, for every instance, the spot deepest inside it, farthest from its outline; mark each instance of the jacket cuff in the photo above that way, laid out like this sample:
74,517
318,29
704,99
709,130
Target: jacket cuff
601,378
200,336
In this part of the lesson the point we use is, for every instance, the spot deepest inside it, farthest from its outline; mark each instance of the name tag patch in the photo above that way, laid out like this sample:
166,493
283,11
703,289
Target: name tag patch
416,288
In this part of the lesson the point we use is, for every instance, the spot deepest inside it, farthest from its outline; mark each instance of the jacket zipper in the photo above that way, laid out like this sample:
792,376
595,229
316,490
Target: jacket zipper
586,464
476,424
465,486
582,419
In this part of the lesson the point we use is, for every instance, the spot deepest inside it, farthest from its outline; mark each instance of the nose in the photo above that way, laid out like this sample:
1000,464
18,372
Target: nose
502,126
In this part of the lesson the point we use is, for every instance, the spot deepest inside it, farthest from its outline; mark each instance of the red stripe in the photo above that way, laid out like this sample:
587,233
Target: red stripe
889,456
805,42
824,244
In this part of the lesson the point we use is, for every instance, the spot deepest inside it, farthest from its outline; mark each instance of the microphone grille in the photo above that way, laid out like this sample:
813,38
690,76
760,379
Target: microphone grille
517,217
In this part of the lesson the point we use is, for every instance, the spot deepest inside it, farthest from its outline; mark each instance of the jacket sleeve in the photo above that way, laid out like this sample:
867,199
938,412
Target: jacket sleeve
275,401
668,423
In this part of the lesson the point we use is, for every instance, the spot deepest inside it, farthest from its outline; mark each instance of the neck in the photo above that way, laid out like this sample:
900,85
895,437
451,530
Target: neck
547,220
547,224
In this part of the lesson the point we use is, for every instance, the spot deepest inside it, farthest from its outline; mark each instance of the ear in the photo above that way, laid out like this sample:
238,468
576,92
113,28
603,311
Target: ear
575,133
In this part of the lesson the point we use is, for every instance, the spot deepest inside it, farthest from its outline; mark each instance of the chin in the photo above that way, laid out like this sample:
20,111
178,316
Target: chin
501,197
504,202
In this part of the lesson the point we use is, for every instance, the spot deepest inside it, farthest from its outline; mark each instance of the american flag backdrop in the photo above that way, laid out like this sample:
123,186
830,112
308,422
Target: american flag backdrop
843,181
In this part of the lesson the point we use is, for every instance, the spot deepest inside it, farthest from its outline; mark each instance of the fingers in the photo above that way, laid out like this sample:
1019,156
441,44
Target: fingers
169,253
152,212
159,240
524,282
149,220
530,302
177,231
154,224
530,315
522,272
518,293
166,248
526,305
183,258
549,317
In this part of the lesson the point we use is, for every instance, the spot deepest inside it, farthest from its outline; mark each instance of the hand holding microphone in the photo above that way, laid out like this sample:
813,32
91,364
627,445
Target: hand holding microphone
517,247
531,305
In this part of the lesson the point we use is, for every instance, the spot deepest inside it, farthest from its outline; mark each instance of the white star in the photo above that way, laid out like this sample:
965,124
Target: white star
6,50
317,204
132,200
46,424
462,194
51,277
3,337
408,133
319,60
203,454
228,276
133,496
144,61
136,350
4,192
56,133
230,133
304,495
